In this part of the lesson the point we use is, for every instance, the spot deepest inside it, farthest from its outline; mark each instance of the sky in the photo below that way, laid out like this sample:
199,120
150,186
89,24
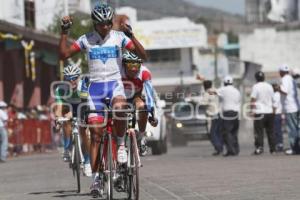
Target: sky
232,6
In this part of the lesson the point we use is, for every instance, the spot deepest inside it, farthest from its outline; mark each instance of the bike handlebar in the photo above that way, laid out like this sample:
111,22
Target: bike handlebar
65,119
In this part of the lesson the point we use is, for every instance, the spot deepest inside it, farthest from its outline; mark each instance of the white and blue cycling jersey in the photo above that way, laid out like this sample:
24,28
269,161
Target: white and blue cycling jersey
105,63
104,55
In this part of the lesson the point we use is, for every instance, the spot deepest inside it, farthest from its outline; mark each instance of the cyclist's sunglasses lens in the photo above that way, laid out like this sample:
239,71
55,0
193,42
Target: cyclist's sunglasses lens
71,78
133,65
103,23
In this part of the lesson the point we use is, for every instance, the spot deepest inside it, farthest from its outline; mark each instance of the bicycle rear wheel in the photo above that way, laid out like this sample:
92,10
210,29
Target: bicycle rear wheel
133,189
76,164
109,158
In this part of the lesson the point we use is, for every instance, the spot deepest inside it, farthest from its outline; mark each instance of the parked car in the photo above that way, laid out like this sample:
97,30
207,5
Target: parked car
157,136
187,121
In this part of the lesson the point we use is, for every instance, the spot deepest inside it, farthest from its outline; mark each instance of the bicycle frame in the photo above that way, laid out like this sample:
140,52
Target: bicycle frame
75,133
108,166
77,158
106,132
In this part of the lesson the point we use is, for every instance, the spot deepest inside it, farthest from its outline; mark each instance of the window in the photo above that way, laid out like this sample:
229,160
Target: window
164,55
29,14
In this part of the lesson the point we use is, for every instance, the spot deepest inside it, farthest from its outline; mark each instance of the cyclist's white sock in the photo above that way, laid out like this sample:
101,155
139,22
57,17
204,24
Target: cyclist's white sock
141,135
95,175
121,141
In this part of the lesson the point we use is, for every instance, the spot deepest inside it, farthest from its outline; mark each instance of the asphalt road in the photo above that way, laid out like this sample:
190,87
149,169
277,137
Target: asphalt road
184,173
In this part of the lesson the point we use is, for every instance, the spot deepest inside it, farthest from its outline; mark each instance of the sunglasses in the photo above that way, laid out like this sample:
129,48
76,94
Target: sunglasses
71,78
131,65
103,23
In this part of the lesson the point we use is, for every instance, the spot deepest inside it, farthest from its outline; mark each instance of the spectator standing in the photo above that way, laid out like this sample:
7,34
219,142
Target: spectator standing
278,119
262,107
3,132
212,103
290,105
230,99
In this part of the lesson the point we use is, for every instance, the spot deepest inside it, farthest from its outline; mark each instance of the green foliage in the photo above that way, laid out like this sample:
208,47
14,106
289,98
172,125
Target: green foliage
232,38
82,24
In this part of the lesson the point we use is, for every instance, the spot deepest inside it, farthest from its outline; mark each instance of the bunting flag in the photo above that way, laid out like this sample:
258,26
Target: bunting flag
61,69
27,48
32,62
4,36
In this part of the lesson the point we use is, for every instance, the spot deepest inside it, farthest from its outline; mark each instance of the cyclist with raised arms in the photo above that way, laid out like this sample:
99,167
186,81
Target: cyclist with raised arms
103,47
136,79
74,96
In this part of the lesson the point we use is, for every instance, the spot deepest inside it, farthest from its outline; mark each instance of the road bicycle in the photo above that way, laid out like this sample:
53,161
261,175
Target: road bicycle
114,175
77,158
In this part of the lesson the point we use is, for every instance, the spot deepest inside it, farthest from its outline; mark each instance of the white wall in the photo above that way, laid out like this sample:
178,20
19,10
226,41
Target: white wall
46,12
271,48
206,65
171,69
13,11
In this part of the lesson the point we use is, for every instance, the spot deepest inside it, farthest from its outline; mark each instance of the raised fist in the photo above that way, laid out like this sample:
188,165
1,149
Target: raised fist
127,30
66,23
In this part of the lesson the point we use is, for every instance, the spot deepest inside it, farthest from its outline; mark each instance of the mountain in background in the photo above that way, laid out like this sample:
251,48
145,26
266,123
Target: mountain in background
231,6
215,20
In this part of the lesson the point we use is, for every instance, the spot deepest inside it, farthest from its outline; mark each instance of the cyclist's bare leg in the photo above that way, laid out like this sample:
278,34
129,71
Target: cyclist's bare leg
67,130
119,102
86,143
142,122
143,116
96,133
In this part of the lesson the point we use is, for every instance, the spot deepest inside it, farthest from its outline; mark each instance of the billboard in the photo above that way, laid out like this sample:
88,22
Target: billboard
170,33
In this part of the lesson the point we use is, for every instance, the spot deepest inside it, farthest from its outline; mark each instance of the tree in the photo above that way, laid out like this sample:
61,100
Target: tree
81,24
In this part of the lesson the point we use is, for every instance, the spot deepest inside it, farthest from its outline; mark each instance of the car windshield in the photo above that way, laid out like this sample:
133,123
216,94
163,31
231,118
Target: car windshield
183,109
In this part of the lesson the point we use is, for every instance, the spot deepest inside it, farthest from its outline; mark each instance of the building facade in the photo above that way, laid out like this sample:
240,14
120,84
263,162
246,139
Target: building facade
172,45
271,48
263,11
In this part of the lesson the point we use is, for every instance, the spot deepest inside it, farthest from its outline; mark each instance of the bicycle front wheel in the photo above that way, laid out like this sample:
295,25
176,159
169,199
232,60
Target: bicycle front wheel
76,164
133,176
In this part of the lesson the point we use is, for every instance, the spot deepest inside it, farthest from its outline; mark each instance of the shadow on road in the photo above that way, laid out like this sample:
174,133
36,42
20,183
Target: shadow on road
61,193
68,193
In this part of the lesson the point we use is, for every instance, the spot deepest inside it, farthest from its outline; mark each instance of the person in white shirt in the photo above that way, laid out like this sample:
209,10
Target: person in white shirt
212,103
262,102
290,106
277,119
3,132
230,99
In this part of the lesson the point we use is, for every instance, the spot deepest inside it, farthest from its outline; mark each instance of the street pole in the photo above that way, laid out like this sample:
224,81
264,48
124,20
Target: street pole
181,77
216,79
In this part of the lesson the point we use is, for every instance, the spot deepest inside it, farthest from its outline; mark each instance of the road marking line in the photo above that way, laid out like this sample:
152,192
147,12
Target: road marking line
201,195
165,190
149,194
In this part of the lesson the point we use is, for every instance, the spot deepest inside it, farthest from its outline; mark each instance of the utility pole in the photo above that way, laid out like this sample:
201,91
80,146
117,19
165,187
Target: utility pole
181,77
215,52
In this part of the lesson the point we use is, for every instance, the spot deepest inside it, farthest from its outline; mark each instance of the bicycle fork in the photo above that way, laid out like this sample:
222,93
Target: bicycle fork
79,148
131,133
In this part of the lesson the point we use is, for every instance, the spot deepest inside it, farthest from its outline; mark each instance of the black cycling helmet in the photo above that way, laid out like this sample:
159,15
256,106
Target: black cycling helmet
131,57
259,76
102,13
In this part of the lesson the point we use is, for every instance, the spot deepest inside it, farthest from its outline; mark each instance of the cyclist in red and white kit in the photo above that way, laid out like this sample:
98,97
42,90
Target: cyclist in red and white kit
136,79
103,48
